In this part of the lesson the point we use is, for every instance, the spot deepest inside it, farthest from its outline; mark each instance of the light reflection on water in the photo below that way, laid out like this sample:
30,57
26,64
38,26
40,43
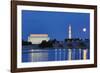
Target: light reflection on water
38,55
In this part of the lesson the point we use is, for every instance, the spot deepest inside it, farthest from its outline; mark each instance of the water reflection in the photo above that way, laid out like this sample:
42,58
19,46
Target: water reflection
51,54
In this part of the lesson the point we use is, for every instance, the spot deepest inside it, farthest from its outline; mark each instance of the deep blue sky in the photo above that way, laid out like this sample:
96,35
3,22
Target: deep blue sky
55,24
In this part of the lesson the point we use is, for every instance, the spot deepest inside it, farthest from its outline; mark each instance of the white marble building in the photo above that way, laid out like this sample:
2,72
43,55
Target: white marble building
37,38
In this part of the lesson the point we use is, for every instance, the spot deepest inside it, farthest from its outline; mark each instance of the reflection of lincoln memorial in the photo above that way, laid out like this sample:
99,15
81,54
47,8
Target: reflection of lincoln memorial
37,55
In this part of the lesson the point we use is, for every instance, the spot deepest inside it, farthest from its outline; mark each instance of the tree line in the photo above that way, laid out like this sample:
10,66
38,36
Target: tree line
67,43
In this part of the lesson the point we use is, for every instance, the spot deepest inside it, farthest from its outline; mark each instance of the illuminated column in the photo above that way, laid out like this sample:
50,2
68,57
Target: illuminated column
69,36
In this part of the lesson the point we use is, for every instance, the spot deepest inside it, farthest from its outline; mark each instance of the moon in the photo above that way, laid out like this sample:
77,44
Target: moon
84,29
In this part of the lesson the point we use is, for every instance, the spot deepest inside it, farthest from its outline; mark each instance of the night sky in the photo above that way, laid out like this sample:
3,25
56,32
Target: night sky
55,24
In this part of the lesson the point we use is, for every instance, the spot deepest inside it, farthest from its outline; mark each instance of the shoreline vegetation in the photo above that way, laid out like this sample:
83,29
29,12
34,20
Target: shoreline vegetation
67,43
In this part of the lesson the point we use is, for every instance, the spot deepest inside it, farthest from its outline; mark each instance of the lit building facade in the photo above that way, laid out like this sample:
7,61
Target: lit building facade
38,38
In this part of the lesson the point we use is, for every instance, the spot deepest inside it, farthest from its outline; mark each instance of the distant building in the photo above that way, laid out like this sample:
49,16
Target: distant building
37,38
